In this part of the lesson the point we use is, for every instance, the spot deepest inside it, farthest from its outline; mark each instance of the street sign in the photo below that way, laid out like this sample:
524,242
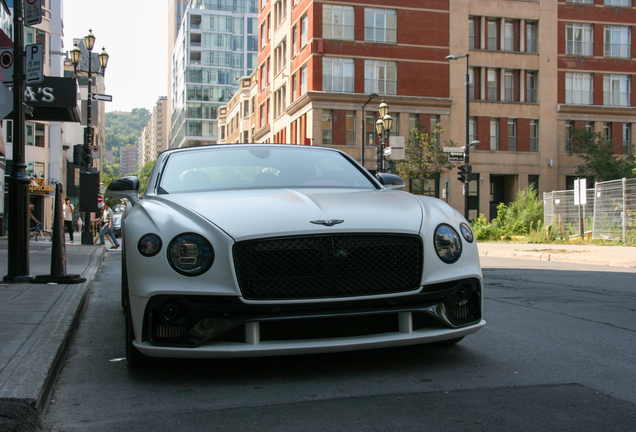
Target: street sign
456,157
32,12
95,152
100,200
6,65
454,149
102,97
34,63
6,101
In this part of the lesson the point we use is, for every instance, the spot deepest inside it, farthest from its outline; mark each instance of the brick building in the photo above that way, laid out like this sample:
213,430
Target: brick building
536,70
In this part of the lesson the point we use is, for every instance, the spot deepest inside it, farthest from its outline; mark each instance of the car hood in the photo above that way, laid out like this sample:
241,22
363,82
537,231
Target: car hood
249,214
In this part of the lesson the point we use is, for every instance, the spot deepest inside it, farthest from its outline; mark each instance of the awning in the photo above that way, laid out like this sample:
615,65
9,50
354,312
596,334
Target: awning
55,99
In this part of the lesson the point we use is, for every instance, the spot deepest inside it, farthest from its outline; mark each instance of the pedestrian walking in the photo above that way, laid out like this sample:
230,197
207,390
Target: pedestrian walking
107,229
68,211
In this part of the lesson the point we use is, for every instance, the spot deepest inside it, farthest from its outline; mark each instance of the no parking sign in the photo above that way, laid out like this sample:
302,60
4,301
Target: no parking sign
6,65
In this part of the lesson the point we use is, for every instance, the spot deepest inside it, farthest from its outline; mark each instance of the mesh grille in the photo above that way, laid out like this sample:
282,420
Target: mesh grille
328,266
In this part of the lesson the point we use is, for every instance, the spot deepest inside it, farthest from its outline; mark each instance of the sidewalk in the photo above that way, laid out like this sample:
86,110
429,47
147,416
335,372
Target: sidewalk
37,323
616,256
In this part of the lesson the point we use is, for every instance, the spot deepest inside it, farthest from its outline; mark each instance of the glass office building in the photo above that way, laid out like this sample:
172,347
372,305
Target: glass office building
216,45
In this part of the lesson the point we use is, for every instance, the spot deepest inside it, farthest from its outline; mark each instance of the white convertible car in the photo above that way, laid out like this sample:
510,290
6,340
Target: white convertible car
257,250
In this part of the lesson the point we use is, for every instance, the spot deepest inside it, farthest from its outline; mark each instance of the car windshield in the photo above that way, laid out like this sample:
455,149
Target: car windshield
259,167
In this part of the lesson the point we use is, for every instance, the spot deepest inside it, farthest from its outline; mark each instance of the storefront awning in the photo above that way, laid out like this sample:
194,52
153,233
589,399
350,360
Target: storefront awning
55,99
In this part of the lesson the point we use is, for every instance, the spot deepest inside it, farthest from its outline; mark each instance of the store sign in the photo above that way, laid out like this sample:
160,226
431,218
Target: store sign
55,99
39,185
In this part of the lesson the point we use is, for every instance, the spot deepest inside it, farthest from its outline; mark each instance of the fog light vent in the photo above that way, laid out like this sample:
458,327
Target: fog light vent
170,332
461,312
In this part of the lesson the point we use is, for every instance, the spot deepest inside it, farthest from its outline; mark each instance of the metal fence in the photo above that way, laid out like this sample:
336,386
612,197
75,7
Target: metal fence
609,214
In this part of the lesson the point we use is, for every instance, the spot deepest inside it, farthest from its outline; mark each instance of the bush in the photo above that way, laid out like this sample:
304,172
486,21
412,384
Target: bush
524,216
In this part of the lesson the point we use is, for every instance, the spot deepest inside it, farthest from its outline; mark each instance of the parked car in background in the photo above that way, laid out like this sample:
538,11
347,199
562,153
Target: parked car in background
117,224
257,250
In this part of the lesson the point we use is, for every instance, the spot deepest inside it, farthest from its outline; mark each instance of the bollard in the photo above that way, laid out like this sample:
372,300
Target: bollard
58,248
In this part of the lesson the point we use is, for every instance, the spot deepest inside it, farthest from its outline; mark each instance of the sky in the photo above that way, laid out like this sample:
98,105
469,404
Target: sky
135,35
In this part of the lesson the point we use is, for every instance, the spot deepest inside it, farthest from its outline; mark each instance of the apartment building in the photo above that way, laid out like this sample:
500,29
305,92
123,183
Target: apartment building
536,70
158,128
215,46
128,160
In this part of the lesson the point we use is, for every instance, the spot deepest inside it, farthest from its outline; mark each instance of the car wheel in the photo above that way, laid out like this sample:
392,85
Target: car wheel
124,283
133,355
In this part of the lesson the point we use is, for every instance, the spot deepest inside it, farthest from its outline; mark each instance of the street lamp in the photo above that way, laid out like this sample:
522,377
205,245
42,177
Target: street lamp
371,96
76,54
383,127
467,147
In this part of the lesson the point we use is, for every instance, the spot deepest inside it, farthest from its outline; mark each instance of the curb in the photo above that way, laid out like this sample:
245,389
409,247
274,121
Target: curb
558,257
39,362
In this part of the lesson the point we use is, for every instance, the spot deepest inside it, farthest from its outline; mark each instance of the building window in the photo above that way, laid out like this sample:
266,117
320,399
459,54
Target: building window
492,35
380,77
262,109
616,90
369,130
472,129
471,83
246,108
303,80
534,135
494,134
263,35
39,135
531,87
509,36
493,93
569,136
246,136
471,33
510,86
578,88
294,40
617,42
619,3
337,22
579,39
426,187
434,130
351,128
337,74
533,181
326,127
531,37
304,29
607,132
380,25
293,87
512,134
627,138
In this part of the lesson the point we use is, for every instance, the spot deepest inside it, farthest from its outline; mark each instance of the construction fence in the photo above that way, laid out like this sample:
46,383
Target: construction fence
607,212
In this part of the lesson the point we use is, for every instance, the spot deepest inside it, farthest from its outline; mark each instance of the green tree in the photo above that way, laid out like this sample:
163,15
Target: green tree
598,161
144,176
424,157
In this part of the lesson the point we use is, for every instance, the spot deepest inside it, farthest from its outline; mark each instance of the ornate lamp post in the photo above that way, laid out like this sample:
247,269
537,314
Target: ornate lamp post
89,133
382,128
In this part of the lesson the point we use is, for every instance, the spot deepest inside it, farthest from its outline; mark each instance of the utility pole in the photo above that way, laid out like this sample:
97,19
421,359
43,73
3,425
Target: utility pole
19,182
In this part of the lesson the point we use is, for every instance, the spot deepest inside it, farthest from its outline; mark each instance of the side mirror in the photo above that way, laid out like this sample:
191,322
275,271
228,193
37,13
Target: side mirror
125,187
391,181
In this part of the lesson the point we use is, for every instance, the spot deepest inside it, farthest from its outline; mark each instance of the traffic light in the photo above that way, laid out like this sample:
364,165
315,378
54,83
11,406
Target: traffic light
464,173
79,155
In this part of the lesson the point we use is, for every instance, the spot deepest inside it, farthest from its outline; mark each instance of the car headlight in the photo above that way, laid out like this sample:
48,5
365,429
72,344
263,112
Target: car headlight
448,245
190,254
149,245
466,232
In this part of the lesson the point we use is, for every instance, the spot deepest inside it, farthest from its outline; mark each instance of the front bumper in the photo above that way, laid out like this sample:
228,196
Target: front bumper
212,326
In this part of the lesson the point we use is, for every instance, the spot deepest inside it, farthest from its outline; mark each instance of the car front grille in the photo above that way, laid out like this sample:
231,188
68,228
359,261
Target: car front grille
328,266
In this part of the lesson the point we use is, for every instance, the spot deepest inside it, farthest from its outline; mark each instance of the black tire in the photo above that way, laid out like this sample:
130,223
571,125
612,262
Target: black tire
124,283
46,235
135,358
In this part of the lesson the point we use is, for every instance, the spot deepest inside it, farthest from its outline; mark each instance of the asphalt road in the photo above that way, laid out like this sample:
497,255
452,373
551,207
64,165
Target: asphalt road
558,353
